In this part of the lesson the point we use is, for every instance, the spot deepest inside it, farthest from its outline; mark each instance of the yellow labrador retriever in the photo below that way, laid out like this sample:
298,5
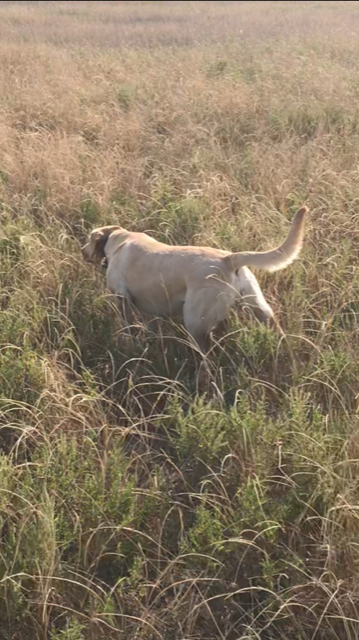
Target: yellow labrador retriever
199,284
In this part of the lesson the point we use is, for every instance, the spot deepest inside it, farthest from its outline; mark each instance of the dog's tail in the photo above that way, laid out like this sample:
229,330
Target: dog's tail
277,258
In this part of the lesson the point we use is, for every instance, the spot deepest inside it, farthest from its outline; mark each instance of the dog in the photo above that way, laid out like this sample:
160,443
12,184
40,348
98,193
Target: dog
198,284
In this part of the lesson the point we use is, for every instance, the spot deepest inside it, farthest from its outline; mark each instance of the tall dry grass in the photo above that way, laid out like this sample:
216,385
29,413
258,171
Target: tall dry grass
129,506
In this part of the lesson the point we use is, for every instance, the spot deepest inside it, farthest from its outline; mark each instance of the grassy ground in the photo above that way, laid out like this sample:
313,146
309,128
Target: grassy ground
129,507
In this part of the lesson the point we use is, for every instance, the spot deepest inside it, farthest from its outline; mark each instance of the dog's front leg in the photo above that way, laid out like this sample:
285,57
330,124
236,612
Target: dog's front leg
125,307
154,325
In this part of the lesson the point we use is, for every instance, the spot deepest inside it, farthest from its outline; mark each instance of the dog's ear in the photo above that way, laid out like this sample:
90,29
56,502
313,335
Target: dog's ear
98,240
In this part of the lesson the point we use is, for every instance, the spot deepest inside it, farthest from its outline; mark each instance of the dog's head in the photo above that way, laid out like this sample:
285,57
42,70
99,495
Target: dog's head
94,250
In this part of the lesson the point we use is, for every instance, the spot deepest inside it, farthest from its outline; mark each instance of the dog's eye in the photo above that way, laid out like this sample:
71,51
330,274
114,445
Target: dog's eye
236,272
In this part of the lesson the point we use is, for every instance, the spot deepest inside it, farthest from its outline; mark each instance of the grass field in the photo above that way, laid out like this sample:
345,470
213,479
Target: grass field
130,507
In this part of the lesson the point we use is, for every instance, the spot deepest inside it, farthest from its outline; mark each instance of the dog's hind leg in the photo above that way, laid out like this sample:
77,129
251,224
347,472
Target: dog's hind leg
253,298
